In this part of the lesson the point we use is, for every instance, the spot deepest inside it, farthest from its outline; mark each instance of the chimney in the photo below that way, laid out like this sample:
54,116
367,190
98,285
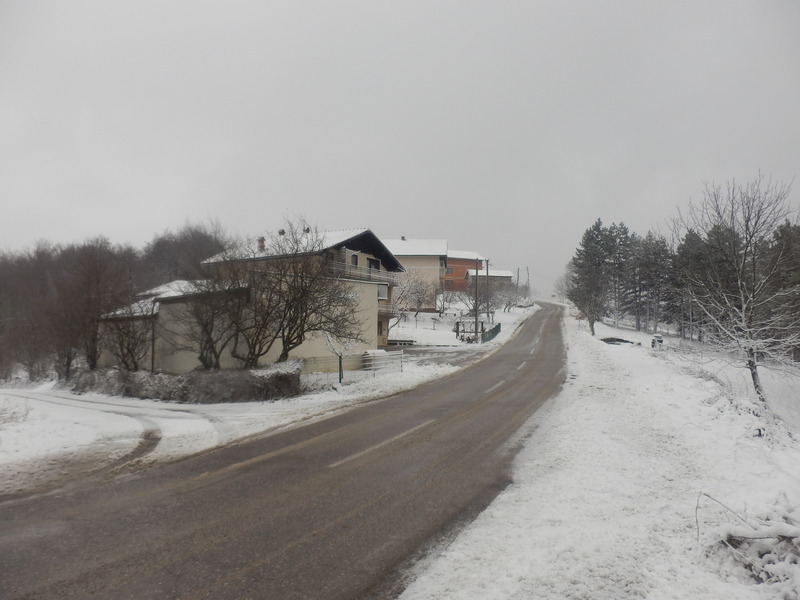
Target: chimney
261,244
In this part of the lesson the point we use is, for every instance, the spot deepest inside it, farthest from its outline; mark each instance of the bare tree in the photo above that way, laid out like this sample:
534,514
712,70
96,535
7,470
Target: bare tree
562,284
734,284
413,291
444,298
54,298
468,300
313,298
254,316
99,282
507,295
179,255
27,289
341,347
200,317
206,319
291,292
7,269
129,333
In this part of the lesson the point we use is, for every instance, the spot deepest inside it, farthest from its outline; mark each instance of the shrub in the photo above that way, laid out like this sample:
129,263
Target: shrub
197,387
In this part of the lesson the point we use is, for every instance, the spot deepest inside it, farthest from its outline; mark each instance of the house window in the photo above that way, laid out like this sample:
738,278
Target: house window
354,260
449,270
383,291
374,263
380,327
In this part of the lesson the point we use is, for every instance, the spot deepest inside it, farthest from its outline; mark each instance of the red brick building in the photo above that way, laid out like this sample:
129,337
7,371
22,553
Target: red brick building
459,262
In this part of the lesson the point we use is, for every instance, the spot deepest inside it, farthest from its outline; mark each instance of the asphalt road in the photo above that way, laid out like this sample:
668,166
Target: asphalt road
333,509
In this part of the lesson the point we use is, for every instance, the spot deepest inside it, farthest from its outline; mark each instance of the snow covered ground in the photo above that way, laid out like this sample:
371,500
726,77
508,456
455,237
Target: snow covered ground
48,435
627,482
619,490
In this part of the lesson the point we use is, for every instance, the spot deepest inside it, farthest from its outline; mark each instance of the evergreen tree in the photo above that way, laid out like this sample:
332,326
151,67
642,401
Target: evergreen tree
635,298
657,258
618,269
588,288
689,256
785,256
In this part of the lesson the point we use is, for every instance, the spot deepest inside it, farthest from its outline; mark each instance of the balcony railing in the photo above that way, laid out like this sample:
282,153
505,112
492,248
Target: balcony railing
387,308
362,273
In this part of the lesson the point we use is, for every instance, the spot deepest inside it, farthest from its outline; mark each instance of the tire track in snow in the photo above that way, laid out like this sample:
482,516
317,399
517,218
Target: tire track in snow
222,429
70,467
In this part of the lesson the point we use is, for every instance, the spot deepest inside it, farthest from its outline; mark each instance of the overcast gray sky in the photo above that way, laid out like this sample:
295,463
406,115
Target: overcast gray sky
505,127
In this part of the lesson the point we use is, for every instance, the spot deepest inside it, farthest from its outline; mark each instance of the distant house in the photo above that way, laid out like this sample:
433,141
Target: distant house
422,258
459,262
356,257
440,268
493,276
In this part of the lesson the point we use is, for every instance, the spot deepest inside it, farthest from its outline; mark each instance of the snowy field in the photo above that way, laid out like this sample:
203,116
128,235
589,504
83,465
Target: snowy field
627,483
619,490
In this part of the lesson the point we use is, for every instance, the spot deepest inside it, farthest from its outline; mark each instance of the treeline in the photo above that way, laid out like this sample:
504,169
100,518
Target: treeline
729,275
52,297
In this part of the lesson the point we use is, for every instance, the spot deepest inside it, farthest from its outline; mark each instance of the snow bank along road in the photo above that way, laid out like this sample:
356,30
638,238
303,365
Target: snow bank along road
332,509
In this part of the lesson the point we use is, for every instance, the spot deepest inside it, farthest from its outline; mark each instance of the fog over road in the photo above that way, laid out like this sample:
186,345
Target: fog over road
332,509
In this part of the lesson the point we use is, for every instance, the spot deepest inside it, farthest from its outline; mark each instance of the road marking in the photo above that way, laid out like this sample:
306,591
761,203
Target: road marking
522,365
380,445
533,349
494,387
265,457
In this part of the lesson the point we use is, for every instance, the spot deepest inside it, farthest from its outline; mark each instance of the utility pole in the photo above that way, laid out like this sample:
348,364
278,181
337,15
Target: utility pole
477,270
153,337
486,291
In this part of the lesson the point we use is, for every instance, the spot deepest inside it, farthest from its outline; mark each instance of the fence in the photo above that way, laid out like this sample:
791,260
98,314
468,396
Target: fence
488,336
325,371
465,330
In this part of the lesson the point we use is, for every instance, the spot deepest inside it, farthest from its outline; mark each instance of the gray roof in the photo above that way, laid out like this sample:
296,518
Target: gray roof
362,240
